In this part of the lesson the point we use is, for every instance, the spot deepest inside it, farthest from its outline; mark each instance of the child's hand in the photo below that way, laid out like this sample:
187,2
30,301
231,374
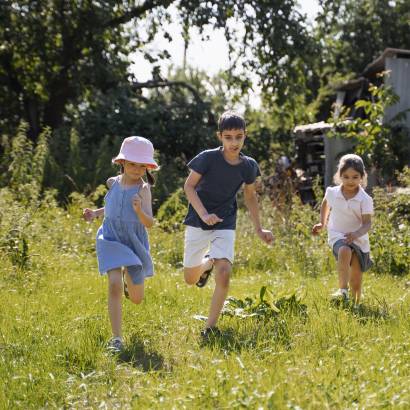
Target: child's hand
350,237
88,214
317,228
265,235
136,202
211,219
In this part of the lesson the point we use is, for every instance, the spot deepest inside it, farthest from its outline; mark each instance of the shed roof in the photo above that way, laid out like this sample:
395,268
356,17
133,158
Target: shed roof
378,65
317,126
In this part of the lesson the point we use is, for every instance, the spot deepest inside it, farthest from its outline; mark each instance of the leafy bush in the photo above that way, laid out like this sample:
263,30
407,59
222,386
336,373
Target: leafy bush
390,235
265,307
172,212
26,169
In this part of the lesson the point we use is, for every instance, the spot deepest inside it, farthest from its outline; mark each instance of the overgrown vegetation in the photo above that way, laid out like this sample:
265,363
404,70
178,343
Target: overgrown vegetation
384,145
278,349
68,99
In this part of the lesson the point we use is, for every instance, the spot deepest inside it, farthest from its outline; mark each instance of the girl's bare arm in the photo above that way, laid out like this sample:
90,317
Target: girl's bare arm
142,203
365,227
324,215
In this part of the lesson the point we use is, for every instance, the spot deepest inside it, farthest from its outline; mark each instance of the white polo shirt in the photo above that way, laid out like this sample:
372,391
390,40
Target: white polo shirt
346,215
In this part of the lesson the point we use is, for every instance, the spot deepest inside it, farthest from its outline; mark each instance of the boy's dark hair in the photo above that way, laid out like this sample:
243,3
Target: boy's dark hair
231,120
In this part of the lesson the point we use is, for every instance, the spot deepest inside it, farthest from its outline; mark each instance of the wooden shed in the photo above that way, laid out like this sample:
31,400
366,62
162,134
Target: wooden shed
316,153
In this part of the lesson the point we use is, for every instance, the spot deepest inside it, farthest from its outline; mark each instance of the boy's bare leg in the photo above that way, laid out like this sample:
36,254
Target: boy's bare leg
343,266
114,301
223,270
192,275
356,276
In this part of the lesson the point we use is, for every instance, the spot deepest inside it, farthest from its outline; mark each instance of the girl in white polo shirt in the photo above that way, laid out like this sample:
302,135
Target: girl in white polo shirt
346,211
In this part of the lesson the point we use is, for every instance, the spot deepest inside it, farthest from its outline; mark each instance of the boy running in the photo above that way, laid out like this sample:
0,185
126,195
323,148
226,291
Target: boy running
216,175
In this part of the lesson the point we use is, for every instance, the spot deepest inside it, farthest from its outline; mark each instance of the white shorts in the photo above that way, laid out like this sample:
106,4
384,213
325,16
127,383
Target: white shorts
220,243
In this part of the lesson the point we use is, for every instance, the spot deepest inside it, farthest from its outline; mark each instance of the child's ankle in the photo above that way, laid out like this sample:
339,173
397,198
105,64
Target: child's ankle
207,263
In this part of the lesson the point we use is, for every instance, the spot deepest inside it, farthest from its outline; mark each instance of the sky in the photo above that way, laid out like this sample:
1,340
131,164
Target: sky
210,56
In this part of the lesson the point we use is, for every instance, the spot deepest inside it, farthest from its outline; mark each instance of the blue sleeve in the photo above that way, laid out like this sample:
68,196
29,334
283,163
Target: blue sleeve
253,171
200,163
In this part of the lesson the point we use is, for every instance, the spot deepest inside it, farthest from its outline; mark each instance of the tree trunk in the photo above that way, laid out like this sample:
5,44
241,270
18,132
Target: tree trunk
31,108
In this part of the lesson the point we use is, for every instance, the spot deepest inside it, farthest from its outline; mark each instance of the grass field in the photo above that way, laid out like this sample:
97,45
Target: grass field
54,325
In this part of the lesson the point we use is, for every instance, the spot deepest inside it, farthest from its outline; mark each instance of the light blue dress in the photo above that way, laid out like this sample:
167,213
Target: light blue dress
122,239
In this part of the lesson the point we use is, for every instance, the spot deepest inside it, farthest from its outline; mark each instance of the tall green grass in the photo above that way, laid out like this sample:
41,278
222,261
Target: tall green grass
54,324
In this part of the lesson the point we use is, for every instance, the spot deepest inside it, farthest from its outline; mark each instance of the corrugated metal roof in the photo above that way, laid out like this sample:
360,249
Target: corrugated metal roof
378,65
317,126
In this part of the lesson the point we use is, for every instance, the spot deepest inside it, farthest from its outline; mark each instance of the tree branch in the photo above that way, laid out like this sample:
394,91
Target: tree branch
166,83
137,12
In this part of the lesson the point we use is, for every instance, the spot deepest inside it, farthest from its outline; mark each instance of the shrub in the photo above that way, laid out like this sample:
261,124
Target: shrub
172,212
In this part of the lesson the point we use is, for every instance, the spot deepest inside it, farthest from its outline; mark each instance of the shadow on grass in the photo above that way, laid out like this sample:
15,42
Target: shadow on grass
365,312
227,340
230,340
137,355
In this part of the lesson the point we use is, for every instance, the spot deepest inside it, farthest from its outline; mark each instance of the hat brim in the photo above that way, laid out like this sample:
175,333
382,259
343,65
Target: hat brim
149,162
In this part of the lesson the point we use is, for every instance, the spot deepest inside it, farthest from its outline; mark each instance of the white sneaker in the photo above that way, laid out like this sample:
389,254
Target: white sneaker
115,345
341,294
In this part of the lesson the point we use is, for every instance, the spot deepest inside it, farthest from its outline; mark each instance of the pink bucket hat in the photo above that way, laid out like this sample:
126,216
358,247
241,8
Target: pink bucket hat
137,149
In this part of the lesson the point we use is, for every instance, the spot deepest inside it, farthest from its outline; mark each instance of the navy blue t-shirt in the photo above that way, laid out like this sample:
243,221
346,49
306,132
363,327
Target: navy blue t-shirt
219,185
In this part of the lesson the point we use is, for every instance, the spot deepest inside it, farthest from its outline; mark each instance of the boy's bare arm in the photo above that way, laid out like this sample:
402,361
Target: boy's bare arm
324,215
193,198
251,202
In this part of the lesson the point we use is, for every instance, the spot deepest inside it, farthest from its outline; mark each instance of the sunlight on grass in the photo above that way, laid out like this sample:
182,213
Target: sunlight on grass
285,347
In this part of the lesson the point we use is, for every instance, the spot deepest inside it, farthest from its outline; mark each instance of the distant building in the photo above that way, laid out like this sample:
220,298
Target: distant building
316,153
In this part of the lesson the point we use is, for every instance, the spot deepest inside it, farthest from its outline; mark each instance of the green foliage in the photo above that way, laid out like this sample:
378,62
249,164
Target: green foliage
317,188
266,307
344,26
21,156
172,212
391,230
55,55
383,145
54,324
27,166
16,247
15,217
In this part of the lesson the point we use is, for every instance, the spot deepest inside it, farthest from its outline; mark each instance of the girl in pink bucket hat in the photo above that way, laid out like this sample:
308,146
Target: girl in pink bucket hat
122,240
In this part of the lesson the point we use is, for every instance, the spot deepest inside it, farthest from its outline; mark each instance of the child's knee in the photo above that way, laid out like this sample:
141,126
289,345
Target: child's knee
115,288
190,276
223,274
136,299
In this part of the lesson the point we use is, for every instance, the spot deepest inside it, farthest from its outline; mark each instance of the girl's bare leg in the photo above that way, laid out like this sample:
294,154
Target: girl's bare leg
136,292
356,276
343,266
115,289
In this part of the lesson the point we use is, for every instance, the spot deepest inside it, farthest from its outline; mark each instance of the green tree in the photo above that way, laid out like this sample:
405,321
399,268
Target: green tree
55,52
58,53
354,33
